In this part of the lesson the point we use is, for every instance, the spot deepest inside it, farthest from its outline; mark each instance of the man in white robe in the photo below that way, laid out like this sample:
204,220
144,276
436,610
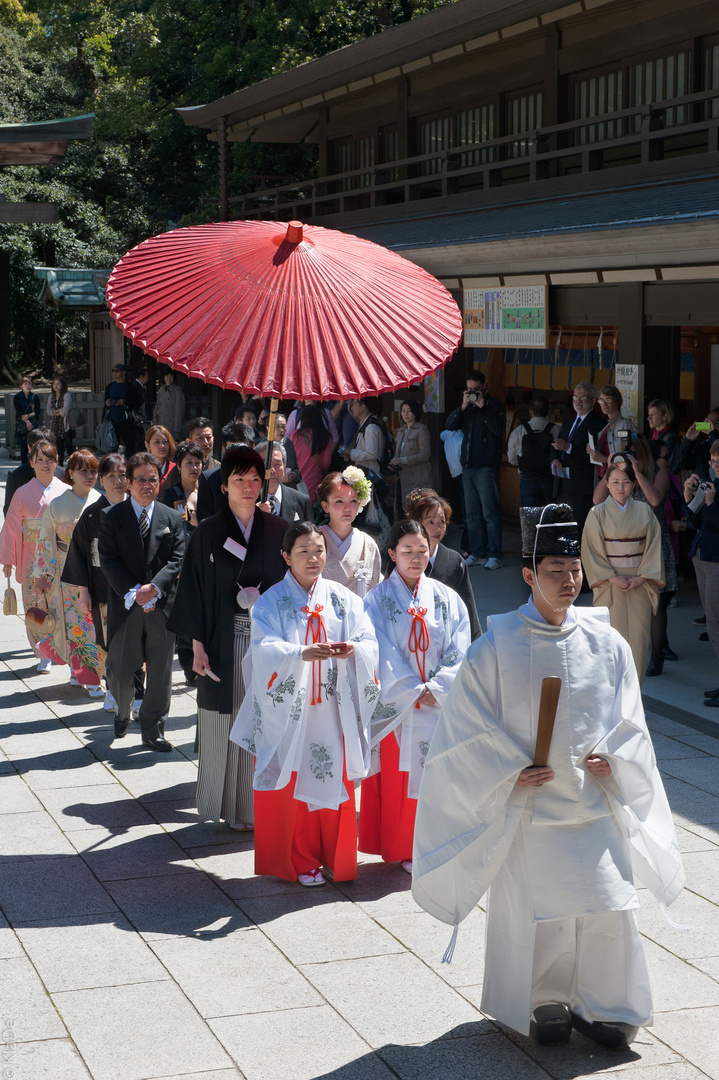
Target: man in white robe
560,845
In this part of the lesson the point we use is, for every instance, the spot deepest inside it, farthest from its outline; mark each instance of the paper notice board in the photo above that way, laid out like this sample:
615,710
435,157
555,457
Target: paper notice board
510,316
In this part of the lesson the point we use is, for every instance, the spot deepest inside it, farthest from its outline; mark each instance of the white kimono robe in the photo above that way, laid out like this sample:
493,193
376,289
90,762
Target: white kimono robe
567,850
359,569
305,717
401,669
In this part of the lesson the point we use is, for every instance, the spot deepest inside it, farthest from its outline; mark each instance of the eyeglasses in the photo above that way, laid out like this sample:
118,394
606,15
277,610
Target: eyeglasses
145,480
581,397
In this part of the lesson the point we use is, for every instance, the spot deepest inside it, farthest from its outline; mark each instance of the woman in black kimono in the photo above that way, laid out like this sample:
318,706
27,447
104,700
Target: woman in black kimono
445,564
231,558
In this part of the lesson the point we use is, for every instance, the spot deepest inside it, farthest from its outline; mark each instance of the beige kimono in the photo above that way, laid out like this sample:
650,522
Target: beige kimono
359,569
625,544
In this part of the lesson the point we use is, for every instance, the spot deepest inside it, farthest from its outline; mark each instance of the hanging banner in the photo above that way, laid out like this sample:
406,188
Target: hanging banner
513,315
629,381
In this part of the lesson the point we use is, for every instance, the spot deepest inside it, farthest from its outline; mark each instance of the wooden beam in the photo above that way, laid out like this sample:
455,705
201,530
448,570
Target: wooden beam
22,213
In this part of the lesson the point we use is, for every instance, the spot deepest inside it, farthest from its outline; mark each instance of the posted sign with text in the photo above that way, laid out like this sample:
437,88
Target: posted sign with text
515,316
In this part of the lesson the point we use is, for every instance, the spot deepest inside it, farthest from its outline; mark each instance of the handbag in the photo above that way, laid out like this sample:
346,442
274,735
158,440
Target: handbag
42,623
9,603
105,437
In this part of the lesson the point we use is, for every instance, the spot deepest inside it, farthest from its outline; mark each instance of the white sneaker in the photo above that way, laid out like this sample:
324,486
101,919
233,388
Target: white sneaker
135,711
110,703
43,665
493,564
407,866
475,560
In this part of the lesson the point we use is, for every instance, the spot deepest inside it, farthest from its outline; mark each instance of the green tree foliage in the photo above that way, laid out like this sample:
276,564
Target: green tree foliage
133,63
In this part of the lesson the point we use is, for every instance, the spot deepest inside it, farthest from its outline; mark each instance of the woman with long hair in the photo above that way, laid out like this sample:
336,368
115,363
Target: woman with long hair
72,640
160,443
21,530
230,557
57,410
412,457
622,559
306,716
445,564
423,634
313,446
353,558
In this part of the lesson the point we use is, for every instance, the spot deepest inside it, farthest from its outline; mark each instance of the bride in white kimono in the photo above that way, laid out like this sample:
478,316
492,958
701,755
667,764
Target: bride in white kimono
306,716
353,557
423,633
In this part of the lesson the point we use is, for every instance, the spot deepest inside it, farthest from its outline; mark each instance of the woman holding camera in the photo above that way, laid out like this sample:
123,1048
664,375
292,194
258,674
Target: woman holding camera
622,559
612,438
412,457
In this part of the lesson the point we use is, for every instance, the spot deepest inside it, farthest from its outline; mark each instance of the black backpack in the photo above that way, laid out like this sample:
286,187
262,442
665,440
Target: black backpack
535,460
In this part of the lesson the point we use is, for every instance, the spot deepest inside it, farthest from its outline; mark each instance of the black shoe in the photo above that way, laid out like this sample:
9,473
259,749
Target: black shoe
121,727
712,693
609,1033
549,1025
704,636
656,664
712,702
159,744
669,654
701,621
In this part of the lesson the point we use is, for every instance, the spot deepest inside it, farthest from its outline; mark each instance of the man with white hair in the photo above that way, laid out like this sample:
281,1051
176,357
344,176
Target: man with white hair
570,448
282,500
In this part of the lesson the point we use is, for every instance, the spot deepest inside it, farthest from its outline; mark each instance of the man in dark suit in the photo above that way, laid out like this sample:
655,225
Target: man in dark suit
282,500
141,545
210,499
570,448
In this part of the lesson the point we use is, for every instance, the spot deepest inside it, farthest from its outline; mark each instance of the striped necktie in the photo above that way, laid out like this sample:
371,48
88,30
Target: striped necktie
144,523
273,504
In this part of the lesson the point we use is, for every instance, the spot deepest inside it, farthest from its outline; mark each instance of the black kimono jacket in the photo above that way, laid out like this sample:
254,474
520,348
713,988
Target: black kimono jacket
82,564
451,569
204,607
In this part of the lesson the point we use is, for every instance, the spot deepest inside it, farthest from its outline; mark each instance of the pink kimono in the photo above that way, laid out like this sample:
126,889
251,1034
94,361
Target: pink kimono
19,536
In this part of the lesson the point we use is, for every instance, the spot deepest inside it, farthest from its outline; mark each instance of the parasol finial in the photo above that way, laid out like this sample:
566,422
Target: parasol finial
294,232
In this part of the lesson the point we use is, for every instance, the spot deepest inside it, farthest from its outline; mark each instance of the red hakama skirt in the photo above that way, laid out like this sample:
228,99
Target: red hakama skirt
386,824
291,839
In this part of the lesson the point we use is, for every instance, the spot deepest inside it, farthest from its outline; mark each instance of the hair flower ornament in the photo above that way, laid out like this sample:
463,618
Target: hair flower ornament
359,483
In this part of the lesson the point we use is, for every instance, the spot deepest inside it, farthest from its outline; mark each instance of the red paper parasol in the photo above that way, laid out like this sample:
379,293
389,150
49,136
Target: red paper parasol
284,311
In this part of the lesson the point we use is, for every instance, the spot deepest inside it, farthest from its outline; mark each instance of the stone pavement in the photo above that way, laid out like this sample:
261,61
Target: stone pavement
136,943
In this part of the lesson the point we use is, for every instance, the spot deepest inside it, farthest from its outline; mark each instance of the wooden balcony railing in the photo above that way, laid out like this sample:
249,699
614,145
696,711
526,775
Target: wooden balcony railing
544,153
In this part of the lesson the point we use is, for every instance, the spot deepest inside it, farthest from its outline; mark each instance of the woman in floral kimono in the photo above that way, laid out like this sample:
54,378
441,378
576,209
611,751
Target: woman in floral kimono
21,529
73,637
306,716
353,557
423,633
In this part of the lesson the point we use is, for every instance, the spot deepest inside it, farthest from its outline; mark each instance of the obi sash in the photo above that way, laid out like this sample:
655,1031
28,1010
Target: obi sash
31,530
625,556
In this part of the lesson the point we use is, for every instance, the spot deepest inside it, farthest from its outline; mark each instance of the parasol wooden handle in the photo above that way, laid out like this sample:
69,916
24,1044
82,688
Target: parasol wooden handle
551,687
274,406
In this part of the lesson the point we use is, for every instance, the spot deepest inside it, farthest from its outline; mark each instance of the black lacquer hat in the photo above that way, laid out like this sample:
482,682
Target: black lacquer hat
549,530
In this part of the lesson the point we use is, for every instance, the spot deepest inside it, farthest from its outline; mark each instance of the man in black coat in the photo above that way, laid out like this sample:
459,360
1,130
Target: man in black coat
570,448
282,500
210,499
141,545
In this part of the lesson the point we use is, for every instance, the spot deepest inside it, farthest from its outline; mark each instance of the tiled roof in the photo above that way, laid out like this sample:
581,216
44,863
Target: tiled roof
621,208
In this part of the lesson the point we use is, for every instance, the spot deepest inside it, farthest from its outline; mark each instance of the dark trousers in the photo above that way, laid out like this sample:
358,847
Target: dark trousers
143,637
533,492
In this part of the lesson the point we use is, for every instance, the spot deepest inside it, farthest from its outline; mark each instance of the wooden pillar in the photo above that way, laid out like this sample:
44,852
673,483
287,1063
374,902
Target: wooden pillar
222,165
631,321
661,356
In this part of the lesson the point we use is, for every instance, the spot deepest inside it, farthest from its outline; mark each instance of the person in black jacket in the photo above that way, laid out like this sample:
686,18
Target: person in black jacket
703,507
570,449
283,501
210,499
27,415
481,420
445,564
141,544
692,452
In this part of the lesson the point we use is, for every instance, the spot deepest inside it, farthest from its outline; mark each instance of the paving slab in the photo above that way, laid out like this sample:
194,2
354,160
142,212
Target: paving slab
152,777
480,1057
700,772
144,1030
691,802
15,796
48,887
34,833
10,944
134,852
380,888
314,926
99,806
675,983
428,938
181,819
702,869
689,910
186,904
674,749
233,868
694,1033
581,1057
236,974
216,1074
68,768
393,999
51,1059
25,1008
22,741
84,953
691,840
708,743
298,1044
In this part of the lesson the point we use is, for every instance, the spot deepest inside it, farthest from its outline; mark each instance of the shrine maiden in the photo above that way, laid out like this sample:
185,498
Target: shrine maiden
558,847
423,633
306,716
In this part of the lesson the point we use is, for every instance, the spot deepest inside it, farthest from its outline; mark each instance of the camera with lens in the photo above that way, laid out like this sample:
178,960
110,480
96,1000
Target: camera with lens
474,395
